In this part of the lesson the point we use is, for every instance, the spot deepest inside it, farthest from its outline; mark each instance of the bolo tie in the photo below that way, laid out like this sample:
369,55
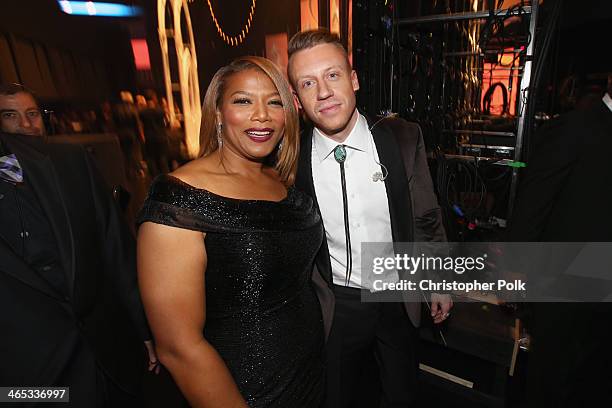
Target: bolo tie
340,156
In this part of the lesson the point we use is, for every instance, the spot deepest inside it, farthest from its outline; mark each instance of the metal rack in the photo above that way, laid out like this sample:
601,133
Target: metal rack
524,73
476,15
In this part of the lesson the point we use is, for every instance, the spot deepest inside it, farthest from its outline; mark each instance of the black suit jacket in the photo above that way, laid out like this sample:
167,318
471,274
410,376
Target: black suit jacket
42,328
413,207
566,191
565,196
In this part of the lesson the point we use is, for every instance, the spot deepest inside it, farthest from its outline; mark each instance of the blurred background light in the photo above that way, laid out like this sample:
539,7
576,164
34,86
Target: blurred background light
101,9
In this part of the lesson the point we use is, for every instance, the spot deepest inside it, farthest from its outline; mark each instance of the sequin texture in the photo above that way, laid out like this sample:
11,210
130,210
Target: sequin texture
262,314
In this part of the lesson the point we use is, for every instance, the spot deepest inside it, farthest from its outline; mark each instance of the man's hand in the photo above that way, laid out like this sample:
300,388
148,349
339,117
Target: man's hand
440,307
153,360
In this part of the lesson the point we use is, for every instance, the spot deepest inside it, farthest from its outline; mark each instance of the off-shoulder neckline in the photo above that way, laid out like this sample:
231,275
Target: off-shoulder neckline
192,187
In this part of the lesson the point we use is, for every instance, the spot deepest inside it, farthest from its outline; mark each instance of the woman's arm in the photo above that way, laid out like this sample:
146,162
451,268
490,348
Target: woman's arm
171,265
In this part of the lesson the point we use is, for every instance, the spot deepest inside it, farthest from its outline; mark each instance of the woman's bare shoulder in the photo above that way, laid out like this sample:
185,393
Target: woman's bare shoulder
199,173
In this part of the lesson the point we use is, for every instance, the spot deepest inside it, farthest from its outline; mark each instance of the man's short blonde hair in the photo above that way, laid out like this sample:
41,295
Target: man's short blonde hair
311,38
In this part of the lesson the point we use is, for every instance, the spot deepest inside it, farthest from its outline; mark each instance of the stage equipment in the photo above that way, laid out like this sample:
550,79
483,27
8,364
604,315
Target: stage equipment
463,73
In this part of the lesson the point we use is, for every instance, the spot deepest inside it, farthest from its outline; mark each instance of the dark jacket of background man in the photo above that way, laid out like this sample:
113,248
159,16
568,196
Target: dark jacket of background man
70,311
566,196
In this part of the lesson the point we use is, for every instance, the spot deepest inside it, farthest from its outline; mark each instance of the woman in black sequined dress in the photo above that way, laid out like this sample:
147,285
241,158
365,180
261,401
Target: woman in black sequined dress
225,254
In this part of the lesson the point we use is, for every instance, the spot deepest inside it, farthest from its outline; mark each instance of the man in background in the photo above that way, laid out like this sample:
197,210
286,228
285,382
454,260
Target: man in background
19,111
70,310
565,196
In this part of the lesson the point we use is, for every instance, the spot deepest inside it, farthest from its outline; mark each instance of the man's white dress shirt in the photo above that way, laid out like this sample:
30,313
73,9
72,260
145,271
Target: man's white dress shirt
368,207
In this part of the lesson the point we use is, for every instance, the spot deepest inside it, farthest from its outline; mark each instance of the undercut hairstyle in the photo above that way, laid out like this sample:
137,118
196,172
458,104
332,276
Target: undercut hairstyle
285,159
311,38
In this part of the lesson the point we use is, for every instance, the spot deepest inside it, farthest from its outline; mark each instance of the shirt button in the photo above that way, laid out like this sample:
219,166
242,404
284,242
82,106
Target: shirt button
1,196
46,268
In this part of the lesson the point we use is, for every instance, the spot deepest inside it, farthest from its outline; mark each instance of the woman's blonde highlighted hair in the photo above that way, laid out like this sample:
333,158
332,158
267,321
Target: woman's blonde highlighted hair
285,161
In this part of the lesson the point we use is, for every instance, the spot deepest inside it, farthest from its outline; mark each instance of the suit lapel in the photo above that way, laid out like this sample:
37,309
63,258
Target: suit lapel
304,172
400,202
40,173
606,115
396,183
13,265
305,183
4,240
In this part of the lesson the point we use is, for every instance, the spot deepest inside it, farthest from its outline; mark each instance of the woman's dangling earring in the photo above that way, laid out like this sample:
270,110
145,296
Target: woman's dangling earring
219,138
280,145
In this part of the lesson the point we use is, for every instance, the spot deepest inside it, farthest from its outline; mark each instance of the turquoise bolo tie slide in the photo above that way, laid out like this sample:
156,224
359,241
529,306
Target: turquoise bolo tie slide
340,153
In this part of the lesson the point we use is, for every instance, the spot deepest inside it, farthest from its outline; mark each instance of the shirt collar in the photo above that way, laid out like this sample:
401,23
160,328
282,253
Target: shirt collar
608,100
357,139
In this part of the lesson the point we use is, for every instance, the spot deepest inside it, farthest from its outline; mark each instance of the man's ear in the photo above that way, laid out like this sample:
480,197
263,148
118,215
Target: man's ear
296,100
354,80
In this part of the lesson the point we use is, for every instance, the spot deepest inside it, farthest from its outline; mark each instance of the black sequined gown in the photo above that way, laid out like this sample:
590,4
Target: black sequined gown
262,314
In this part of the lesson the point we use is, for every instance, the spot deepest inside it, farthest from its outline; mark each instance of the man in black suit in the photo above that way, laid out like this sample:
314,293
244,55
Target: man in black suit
70,310
370,181
565,195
